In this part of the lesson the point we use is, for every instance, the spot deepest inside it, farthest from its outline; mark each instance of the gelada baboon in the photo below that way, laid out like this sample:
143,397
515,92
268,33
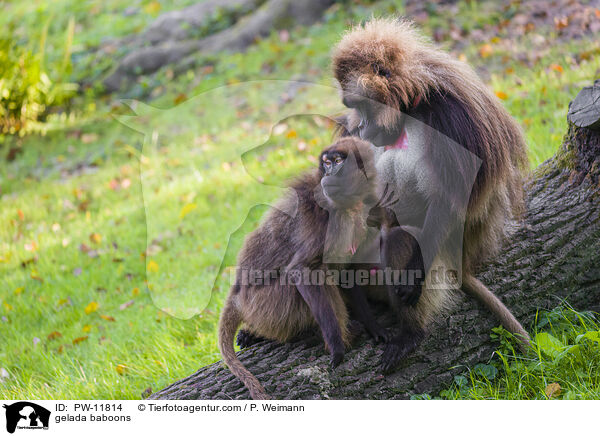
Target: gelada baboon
414,103
330,220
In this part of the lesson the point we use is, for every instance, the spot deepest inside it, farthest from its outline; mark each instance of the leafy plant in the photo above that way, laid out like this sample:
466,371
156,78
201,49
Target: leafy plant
564,362
26,89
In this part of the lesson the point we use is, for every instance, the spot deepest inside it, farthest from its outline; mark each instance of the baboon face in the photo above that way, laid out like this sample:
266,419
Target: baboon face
375,70
369,89
345,169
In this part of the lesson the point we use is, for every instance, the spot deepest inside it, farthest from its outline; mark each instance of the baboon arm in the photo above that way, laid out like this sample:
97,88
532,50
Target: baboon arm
321,308
438,220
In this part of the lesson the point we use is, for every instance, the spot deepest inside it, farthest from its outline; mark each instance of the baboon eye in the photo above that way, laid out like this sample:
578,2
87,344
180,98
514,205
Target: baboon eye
380,71
327,163
338,160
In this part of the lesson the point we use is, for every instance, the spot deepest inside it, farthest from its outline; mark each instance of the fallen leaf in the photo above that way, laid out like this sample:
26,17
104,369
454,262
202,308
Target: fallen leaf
32,246
80,339
284,35
92,307
34,275
552,390
486,50
180,98
54,335
561,23
126,304
187,209
107,318
279,129
152,266
83,206
86,138
501,95
153,249
114,184
96,238
121,369
556,68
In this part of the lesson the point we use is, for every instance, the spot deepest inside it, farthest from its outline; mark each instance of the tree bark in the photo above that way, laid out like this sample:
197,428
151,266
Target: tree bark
552,257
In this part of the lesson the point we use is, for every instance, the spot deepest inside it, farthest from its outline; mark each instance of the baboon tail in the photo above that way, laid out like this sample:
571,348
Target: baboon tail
228,325
475,288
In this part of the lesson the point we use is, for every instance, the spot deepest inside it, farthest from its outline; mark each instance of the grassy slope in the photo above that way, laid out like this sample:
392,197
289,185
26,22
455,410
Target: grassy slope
84,178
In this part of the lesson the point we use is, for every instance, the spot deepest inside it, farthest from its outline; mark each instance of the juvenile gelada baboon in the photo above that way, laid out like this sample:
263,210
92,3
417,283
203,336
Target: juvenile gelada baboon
414,102
330,220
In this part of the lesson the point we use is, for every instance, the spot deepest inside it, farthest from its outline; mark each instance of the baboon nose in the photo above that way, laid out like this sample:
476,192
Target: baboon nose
351,100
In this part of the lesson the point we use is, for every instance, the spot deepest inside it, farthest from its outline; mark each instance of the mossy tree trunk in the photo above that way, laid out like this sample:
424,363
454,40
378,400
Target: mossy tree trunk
553,257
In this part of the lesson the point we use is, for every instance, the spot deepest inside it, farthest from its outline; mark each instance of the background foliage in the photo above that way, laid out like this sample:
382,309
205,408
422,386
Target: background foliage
76,317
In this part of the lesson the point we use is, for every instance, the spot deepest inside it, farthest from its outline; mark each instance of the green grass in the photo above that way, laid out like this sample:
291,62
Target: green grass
154,212
564,362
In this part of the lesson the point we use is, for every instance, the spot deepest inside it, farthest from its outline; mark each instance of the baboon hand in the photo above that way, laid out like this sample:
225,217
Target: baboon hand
399,347
379,333
336,358
410,293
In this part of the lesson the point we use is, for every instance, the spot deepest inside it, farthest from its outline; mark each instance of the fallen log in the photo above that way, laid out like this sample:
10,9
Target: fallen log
171,44
552,257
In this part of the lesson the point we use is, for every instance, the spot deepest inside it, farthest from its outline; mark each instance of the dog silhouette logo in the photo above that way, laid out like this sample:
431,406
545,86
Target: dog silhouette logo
26,415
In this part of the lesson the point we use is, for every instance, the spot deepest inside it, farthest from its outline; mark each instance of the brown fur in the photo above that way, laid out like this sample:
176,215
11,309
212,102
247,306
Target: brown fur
281,311
390,62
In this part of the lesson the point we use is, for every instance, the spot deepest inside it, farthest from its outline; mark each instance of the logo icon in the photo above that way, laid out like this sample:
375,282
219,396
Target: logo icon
26,415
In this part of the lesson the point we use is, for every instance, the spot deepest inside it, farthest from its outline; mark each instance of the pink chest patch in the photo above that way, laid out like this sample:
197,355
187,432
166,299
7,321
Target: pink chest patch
401,142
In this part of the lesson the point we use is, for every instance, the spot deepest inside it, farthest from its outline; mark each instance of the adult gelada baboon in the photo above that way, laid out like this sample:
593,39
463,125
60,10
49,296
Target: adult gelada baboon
415,103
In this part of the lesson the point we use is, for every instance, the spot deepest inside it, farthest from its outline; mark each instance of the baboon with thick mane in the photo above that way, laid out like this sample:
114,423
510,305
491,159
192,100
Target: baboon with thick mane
413,101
